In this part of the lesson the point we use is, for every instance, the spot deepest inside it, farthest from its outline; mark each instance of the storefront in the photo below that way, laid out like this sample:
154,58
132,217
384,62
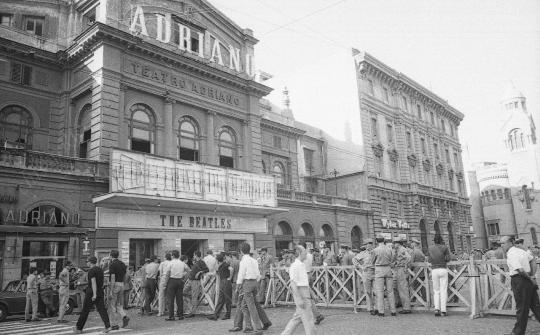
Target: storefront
157,205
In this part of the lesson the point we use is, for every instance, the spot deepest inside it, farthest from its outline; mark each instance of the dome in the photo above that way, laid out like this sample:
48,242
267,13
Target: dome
512,93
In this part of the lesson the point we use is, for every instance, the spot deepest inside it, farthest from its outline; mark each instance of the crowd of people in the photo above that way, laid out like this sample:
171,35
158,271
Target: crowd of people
244,277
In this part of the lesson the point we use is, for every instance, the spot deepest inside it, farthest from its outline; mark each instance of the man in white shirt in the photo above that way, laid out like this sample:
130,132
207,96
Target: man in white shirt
522,271
174,276
299,286
163,267
308,264
212,265
248,276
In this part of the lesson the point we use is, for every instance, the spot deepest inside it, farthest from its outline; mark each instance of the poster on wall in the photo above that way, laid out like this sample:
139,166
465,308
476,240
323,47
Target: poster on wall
52,268
177,243
33,264
125,252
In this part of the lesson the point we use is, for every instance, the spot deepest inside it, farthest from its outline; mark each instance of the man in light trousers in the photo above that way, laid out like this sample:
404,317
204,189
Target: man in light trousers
117,272
63,292
299,285
438,256
163,268
31,296
382,257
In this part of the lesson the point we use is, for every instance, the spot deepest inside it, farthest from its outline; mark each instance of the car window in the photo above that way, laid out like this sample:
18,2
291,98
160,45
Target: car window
22,287
11,287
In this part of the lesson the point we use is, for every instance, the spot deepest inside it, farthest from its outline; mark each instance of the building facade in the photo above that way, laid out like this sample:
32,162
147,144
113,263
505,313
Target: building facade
414,172
503,194
139,127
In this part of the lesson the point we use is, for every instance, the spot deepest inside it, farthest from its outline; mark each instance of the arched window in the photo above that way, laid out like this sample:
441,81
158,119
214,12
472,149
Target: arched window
85,131
493,195
326,231
142,129
188,139
282,229
506,193
47,215
437,228
280,174
451,236
533,236
500,194
423,236
306,230
511,141
522,140
227,147
356,237
283,236
263,167
16,127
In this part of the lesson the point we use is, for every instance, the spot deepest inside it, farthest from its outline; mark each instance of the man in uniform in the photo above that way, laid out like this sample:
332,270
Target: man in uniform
63,291
45,289
264,269
364,261
317,258
401,265
346,256
81,281
418,257
31,295
522,268
382,257
235,265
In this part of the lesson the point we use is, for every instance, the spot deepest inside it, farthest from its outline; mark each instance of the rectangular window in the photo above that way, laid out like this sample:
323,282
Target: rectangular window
308,158
395,170
443,126
400,208
84,144
34,25
311,185
436,150
427,179
379,167
90,16
409,140
494,228
412,173
452,130
451,183
385,96
384,206
432,118
6,19
419,110
423,143
21,74
370,86
405,107
277,142
456,161
226,161
374,126
390,133
447,153
189,154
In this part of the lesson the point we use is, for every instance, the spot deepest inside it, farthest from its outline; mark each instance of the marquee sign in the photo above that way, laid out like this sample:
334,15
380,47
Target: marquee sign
397,224
144,174
155,221
208,45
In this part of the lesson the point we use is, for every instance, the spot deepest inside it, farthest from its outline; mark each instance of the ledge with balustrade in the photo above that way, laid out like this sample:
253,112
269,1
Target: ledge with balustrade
46,162
316,198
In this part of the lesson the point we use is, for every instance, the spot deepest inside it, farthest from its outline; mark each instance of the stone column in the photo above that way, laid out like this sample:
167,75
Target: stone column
122,124
211,157
71,137
247,161
168,123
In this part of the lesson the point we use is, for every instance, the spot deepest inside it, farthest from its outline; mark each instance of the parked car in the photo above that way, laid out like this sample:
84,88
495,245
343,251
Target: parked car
13,300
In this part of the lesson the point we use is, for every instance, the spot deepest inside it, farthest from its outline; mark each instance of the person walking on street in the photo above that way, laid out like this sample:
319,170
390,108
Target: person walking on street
31,296
522,270
81,281
94,296
248,276
63,291
382,257
438,255
198,269
401,266
299,285
224,272
117,271
45,289
163,269
150,284
174,285
308,265
128,286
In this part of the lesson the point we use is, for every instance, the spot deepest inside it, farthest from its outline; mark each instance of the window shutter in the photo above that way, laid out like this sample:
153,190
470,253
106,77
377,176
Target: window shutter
26,75
16,70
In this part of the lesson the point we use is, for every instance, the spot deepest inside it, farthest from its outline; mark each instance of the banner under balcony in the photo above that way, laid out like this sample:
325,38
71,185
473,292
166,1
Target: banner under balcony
145,174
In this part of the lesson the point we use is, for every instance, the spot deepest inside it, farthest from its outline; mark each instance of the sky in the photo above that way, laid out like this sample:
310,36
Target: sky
465,51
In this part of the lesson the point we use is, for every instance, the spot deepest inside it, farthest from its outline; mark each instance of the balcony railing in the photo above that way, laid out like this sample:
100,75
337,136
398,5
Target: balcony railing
315,198
42,161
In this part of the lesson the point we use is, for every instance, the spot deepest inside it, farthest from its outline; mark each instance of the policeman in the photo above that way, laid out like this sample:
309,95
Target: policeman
401,264
317,258
45,289
329,258
364,261
383,257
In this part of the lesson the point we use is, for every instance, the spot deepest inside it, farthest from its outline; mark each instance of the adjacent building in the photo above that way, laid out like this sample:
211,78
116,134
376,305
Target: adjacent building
414,177
503,194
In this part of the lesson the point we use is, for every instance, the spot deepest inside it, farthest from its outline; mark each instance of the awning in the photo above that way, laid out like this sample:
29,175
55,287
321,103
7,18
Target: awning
42,230
155,203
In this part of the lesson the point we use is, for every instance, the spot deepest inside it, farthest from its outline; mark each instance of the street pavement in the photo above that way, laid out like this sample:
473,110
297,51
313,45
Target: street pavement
337,321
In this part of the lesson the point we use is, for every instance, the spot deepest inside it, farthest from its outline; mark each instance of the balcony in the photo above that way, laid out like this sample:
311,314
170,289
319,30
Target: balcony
42,161
315,198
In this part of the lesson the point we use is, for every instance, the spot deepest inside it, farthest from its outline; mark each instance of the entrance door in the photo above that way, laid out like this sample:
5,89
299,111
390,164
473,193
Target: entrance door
356,237
188,248
139,250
